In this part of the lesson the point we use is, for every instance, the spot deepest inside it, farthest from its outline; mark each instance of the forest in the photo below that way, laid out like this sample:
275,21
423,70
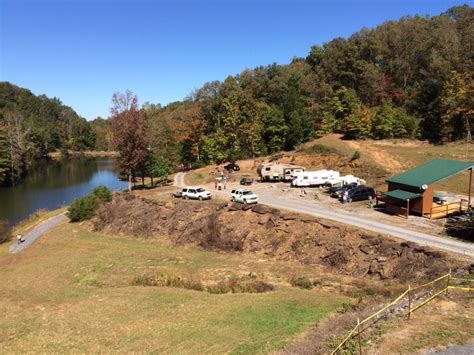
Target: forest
412,78
32,126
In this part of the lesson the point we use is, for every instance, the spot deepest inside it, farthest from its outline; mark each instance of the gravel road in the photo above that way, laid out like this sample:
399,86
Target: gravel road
467,349
36,232
341,216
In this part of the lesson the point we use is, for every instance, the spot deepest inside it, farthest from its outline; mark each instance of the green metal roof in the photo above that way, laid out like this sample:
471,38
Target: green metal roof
402,195
429,173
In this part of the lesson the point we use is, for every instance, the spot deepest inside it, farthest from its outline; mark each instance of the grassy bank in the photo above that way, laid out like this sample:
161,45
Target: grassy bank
73,291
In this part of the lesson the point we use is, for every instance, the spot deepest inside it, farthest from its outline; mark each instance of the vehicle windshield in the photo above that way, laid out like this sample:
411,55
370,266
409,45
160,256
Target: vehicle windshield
247,193
200,190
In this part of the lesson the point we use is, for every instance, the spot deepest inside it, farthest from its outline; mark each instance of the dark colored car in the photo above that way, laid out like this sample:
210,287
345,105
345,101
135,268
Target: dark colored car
360,193
337,191
232,167
177,194
246,180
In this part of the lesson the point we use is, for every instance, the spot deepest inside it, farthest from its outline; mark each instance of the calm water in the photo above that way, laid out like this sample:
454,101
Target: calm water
55,184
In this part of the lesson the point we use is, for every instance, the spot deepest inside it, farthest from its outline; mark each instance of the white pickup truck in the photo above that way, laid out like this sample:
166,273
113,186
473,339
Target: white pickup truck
197,193
243,196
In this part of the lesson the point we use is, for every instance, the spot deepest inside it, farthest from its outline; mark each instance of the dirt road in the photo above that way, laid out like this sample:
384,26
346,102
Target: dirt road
305,206
36,232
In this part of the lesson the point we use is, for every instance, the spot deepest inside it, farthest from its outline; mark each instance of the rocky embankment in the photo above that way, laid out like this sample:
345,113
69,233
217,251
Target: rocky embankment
259,229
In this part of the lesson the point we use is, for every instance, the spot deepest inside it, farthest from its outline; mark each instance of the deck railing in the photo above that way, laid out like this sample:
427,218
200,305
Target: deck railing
449,208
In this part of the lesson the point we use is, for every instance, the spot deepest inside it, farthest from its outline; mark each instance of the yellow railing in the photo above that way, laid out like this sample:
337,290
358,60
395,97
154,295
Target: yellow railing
410,292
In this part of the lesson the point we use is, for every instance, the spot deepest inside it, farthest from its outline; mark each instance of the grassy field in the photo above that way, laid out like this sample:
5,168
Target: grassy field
73,291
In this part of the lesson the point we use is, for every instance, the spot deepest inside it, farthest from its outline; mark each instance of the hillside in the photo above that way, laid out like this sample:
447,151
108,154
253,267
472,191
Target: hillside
32,126
379,159
410,79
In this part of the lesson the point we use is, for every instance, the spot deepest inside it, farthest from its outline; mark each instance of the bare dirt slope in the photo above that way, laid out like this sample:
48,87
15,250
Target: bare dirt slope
272,233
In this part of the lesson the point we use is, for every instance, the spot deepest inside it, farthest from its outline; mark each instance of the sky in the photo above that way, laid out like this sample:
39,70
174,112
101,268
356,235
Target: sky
82,51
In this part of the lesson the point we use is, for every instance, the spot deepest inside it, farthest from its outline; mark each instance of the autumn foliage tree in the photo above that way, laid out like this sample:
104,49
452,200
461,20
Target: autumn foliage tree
129,134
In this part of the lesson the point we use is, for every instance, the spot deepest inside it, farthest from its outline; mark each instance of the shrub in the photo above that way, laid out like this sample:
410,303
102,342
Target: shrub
102,193
301,282
82,209
5,232
246,284
355,156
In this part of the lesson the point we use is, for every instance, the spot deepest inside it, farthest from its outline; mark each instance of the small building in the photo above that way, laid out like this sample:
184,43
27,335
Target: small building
412,192
278,171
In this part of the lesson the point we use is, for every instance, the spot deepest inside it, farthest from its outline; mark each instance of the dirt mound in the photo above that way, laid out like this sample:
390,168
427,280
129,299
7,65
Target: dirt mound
273,233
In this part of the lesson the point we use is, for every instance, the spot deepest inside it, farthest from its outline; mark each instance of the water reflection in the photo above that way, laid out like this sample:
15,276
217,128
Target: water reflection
55,184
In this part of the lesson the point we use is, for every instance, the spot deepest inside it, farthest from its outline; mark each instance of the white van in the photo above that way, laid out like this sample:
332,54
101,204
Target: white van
313,178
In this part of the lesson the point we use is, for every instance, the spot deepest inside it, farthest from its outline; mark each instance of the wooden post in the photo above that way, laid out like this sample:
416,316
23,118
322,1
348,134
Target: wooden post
409,301
408,208
447,284
470,187
358,335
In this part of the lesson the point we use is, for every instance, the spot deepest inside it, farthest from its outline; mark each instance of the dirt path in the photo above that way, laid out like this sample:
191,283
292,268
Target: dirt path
179,179
37,232
382,158
341,216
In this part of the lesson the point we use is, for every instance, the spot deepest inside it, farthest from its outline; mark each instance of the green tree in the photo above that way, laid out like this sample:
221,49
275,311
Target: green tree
358,124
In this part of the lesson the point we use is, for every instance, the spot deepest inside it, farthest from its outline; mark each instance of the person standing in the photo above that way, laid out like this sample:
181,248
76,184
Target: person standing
19,239
215,184
345,196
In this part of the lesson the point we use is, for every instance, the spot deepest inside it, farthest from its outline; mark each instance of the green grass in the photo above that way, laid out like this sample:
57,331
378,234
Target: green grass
73,291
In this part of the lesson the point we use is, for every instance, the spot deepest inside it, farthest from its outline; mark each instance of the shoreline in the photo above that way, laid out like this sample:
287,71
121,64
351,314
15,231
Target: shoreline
88,154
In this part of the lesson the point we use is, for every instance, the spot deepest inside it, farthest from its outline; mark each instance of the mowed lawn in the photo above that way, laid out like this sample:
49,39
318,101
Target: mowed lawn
73,291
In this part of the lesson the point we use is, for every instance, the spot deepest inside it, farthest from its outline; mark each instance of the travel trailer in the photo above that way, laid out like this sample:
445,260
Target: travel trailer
278,171
313,178
340,181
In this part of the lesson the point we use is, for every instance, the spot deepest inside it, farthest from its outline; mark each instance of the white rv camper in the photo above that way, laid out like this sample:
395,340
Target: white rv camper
344,180
313,178
278,171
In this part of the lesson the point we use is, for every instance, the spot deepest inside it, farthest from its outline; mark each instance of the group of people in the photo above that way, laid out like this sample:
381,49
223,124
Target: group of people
221,183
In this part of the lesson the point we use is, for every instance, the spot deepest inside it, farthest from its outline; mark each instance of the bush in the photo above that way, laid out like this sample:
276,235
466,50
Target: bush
102,193
355,156
5,232
246,284
301,282
84,208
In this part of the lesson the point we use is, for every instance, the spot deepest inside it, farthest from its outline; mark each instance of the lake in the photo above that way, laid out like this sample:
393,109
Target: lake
55,184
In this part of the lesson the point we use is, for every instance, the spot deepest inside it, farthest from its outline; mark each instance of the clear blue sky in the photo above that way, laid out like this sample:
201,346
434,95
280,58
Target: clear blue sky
82,51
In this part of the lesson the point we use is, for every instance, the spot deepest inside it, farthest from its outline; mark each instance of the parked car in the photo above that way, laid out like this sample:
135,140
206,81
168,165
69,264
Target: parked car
244,196
232,167
197,193
337,191
360,193
246,180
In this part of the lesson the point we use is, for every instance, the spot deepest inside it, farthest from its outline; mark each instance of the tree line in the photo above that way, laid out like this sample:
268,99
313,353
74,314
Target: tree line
411,78
32,126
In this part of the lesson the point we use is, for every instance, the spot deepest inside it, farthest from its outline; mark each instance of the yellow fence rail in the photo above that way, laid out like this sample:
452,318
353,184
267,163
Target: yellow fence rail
411,292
